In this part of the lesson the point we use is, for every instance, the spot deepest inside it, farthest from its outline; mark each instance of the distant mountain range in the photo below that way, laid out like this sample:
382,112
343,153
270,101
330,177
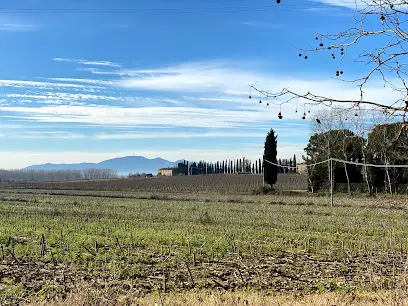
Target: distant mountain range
124,165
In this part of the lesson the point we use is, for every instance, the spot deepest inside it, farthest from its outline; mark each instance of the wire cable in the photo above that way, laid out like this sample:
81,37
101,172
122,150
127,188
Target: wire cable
169,10
344,162
311,165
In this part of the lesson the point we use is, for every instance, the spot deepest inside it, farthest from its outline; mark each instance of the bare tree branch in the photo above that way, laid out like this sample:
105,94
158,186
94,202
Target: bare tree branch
383,21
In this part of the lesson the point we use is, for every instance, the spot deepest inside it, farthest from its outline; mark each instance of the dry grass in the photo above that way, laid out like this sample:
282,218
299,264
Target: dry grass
127,245
85,296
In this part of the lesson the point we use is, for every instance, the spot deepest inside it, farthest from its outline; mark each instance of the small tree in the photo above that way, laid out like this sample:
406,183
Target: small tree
270,152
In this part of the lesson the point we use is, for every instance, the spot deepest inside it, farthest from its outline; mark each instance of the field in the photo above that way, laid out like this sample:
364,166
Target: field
224,183
134,246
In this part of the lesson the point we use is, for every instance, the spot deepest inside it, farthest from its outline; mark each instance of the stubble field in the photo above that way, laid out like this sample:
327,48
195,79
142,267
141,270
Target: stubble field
220,183
134,246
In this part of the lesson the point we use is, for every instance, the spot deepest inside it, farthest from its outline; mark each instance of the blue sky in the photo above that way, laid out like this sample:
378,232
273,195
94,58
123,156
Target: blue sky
158,78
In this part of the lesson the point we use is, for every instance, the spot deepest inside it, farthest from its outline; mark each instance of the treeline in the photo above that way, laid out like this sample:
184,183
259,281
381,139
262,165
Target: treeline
227,166
55,175
386,144
234,166
287,165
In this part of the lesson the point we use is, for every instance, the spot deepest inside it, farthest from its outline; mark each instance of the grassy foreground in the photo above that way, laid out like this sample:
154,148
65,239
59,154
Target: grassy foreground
84,296
140,244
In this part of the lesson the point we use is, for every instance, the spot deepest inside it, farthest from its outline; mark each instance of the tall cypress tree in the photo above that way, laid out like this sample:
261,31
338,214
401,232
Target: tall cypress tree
270,153
294,163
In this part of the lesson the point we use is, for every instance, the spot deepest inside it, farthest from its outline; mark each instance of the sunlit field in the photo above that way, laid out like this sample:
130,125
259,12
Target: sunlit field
144,246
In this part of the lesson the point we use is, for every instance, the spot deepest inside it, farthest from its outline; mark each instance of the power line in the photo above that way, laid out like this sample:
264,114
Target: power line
168,10
341,161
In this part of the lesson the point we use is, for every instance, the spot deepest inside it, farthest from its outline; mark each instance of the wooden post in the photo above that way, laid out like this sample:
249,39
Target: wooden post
331,183
164,281
191,276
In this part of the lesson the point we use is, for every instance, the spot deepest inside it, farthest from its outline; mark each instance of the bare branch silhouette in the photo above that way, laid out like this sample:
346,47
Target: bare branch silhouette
385,22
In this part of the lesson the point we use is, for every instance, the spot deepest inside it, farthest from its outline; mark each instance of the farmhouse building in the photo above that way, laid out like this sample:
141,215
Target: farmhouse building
165,171
301,168
179,170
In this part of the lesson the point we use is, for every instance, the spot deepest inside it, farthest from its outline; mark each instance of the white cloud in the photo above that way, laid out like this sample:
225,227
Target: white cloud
55,97
17,27
213,95
221,99
259,24
84,99
16,23
47,135
179,135
335,11
220,78
11,126
84,81
218,114
111,115
227,86
191,77
362,4
48,85
87,62
347,3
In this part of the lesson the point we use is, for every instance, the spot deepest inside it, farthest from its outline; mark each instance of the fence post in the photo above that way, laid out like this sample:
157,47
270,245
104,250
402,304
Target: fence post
331,182
263,173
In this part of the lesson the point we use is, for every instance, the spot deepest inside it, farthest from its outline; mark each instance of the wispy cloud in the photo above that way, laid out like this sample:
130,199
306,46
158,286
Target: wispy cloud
361,4
112,115
88,62
56,97
259,24
191,77
218,78
87,99
48,85
48,135
329,11
179,135
15,23
17,27
83,81
219,99
117,72
11,126
197,100
186,117
353,4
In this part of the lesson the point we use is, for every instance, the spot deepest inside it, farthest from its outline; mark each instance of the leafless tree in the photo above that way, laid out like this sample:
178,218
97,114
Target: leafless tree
383,22
341,120
26,175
